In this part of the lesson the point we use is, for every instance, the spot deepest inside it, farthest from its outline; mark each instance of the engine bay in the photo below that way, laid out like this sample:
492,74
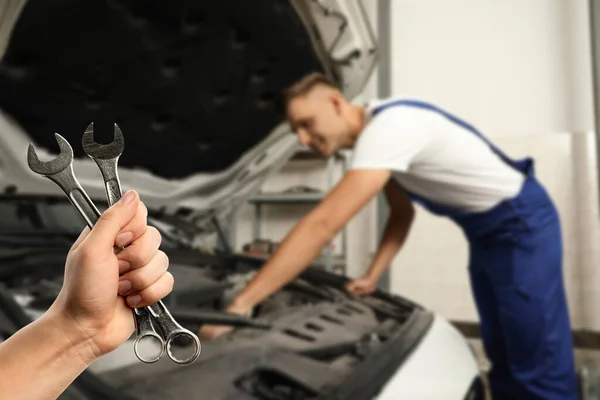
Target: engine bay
308,340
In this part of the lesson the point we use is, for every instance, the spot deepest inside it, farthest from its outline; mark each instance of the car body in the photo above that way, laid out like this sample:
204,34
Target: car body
194,88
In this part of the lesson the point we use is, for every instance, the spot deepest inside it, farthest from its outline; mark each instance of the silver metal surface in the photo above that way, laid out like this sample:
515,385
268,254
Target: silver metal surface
60,171
384,89
594,10
145,329
155,316
106,157
172,330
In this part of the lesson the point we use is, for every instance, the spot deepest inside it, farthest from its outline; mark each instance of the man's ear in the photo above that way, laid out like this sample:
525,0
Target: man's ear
337,102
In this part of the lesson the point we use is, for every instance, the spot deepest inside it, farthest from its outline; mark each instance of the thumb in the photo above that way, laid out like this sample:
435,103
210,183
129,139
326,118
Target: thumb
113,220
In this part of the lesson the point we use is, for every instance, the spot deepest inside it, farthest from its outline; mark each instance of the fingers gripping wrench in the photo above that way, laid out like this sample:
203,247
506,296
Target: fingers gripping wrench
107,158
60,171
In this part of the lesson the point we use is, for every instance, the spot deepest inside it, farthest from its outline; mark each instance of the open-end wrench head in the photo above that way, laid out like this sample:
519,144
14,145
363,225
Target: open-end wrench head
58,164
102,151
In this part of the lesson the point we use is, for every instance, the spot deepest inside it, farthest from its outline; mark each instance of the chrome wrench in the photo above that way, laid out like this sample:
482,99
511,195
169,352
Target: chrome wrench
106,157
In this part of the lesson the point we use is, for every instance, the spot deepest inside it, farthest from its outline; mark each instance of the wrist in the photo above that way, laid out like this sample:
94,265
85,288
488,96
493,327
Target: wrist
372,276
74,339
42,359
238,306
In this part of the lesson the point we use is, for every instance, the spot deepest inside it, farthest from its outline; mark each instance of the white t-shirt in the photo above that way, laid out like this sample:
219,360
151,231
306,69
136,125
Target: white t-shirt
434,157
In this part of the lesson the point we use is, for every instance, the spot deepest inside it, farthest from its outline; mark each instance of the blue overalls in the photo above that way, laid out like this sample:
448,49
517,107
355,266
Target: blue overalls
515,266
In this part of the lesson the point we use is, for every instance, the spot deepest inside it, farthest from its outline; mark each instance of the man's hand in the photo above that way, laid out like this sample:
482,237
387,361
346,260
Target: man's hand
100,286
210,332
361,286
395,233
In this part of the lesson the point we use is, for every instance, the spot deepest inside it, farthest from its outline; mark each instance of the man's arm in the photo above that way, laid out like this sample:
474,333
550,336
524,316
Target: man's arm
304,243
402,213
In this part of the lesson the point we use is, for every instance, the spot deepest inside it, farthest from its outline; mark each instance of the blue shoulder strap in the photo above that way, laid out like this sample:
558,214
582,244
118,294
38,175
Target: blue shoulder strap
521,165
525,165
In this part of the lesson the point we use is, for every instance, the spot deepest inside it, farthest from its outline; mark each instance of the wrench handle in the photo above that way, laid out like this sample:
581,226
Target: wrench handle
108,169
86,208
66,180
78,197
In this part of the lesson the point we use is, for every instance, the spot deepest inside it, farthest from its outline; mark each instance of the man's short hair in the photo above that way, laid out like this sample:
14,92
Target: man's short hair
304,85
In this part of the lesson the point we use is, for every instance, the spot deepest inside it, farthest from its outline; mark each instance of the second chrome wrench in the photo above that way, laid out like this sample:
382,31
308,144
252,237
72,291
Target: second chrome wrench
106,157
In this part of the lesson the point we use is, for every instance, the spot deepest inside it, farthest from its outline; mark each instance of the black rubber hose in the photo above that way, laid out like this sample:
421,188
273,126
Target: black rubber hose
215,317
12,309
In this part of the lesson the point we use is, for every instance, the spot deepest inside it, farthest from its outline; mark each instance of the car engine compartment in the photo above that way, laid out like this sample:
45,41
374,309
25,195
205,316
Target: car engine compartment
307,341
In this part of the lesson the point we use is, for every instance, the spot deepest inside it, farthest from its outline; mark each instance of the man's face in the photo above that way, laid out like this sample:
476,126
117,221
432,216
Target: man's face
317,118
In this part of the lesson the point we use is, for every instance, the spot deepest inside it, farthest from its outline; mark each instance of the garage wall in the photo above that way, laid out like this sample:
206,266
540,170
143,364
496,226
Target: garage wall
521,72
502,64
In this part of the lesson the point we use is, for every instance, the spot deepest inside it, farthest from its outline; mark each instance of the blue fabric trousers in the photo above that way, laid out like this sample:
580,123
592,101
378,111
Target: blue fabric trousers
515,266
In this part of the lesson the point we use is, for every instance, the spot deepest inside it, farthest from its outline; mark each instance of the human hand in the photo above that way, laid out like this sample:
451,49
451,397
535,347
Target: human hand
90,304
361,286
210,332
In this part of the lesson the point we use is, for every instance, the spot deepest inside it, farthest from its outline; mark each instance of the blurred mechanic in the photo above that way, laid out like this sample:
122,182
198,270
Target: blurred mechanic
88,319
417,152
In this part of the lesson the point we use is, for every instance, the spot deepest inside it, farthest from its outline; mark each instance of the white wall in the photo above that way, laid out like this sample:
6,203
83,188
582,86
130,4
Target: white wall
500,64
521,72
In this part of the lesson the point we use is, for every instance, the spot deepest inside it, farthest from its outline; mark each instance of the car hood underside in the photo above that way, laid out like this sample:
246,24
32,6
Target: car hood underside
192,84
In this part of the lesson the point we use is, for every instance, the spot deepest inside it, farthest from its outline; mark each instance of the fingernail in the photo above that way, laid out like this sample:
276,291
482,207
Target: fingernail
123,239
127,197
134,300
124,266
124,287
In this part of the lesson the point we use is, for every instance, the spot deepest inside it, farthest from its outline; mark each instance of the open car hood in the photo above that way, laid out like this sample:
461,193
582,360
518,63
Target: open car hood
194,87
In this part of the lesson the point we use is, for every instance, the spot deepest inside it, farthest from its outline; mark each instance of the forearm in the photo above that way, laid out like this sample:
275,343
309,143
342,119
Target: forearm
296,252
394,236
41,360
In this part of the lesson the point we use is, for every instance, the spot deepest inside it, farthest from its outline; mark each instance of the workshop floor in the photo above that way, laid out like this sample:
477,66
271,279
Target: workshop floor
585,360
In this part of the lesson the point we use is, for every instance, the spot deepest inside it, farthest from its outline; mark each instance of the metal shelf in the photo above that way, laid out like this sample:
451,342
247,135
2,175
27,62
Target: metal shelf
308,154
286,198
329,261
323,261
